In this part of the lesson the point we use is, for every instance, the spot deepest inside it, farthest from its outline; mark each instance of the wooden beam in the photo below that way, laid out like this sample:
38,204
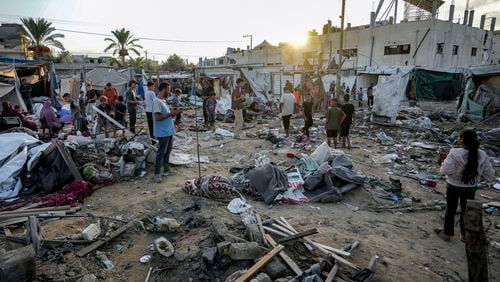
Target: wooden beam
114,234
259,265
260,226
58,208
332,273
289,261
476,246
298,235
275,231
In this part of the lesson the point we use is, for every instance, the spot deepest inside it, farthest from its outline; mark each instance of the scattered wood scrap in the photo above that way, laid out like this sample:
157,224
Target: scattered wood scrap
260,264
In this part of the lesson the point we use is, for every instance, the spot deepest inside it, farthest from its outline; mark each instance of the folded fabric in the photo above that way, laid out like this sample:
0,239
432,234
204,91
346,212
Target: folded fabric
306,166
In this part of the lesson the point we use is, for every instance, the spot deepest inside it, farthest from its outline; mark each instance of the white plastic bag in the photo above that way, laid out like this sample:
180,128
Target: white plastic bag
322,153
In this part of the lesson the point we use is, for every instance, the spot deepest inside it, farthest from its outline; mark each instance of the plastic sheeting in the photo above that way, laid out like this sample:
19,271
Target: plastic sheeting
9,186
389,94
101,76
434,84
11,142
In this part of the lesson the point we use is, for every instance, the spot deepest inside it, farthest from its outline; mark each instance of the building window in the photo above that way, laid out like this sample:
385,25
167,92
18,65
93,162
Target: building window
473,52
397,49
455,50
232,61
348,53
440,48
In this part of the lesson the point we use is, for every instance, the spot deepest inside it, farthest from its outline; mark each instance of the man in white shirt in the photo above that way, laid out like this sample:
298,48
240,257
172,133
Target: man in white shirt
287,108
149,99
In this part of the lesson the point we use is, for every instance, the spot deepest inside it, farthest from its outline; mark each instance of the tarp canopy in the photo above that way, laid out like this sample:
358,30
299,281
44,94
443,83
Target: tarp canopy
390,91
101,76
434,84
256,87
484,71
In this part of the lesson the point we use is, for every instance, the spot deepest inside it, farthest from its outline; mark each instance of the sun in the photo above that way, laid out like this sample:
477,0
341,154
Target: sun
300,40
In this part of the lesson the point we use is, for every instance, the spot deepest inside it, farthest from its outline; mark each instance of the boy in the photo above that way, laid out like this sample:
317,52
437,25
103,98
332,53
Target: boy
210,108
101,120
307,110
176,106
287,109
76,113
350,118
334,118
120,110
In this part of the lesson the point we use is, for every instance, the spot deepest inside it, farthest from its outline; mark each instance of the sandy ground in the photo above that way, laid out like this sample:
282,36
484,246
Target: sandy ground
405,241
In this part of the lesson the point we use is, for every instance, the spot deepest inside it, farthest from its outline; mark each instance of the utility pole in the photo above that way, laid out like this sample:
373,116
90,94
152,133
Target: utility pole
251,44
341,50
146,65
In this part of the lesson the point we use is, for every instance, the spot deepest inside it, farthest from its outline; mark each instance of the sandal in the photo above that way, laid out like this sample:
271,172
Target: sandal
444,237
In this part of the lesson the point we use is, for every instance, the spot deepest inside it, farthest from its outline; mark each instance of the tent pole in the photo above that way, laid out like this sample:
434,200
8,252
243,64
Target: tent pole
196,122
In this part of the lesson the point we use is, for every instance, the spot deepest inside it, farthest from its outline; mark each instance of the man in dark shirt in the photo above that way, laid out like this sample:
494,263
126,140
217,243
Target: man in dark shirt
369,93
206,90
25,90
120,110
307,108
132,105
350,118
92,97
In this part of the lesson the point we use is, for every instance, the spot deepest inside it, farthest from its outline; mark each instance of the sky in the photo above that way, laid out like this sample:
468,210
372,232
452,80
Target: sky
197,20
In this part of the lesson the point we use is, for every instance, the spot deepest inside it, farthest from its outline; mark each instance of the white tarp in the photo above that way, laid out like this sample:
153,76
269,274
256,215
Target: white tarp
10,185
389,92
329,78
257,89
11,142
101,76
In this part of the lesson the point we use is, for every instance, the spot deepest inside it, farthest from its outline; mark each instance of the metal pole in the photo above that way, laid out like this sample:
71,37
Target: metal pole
341,50
196,122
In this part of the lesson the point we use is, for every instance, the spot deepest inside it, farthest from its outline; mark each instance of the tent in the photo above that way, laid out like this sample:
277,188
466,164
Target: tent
390,92
481,98
438,84
100,76
9,92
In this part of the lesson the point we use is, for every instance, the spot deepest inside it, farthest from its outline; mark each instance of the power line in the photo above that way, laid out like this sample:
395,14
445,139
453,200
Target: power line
153,39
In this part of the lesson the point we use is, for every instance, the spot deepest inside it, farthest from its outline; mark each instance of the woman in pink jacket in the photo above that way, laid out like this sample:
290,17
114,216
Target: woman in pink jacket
464,167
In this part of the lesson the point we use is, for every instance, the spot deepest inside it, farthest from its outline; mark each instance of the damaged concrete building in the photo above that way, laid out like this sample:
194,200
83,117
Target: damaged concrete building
382,47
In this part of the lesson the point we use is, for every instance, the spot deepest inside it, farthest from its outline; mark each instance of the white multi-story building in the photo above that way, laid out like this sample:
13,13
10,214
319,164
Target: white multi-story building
377,47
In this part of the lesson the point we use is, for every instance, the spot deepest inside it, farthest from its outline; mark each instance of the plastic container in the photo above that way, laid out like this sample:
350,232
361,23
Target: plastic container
91,232
166,224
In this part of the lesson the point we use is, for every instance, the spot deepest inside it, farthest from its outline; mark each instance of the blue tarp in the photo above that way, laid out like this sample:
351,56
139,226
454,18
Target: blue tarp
12,61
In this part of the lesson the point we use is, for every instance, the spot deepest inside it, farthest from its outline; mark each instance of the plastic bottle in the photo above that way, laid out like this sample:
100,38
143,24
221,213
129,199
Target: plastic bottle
166,224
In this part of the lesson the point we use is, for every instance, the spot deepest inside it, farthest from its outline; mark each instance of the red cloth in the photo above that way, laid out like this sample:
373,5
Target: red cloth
71,193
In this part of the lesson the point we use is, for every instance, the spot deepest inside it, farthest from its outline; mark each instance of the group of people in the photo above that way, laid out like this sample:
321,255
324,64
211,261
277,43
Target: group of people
354,93
339,118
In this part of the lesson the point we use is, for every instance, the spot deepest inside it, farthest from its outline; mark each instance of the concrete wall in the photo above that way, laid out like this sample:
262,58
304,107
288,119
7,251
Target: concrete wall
412,33
495,54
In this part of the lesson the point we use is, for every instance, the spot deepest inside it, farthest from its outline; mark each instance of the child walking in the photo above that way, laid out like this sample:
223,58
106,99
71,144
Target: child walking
350,118
307,109
334,118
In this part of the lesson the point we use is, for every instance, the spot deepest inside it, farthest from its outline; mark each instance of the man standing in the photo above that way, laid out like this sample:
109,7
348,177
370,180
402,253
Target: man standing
92,96
163,130
237,99
369,93
25,90
110,94
149,99
334,118
132,105
287,108
350,118
206,90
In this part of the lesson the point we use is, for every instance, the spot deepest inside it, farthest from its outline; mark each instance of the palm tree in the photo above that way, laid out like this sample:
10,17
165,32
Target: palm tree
64,57
122,43
39,35
138,62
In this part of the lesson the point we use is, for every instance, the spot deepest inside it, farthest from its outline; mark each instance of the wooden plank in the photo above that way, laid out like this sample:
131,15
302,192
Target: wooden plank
275,231
330,253
298,236
58,208
33,234
322,246
114,234
148,275
332,273
289,261
260,226
285,224
476,245
68,160
260,264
